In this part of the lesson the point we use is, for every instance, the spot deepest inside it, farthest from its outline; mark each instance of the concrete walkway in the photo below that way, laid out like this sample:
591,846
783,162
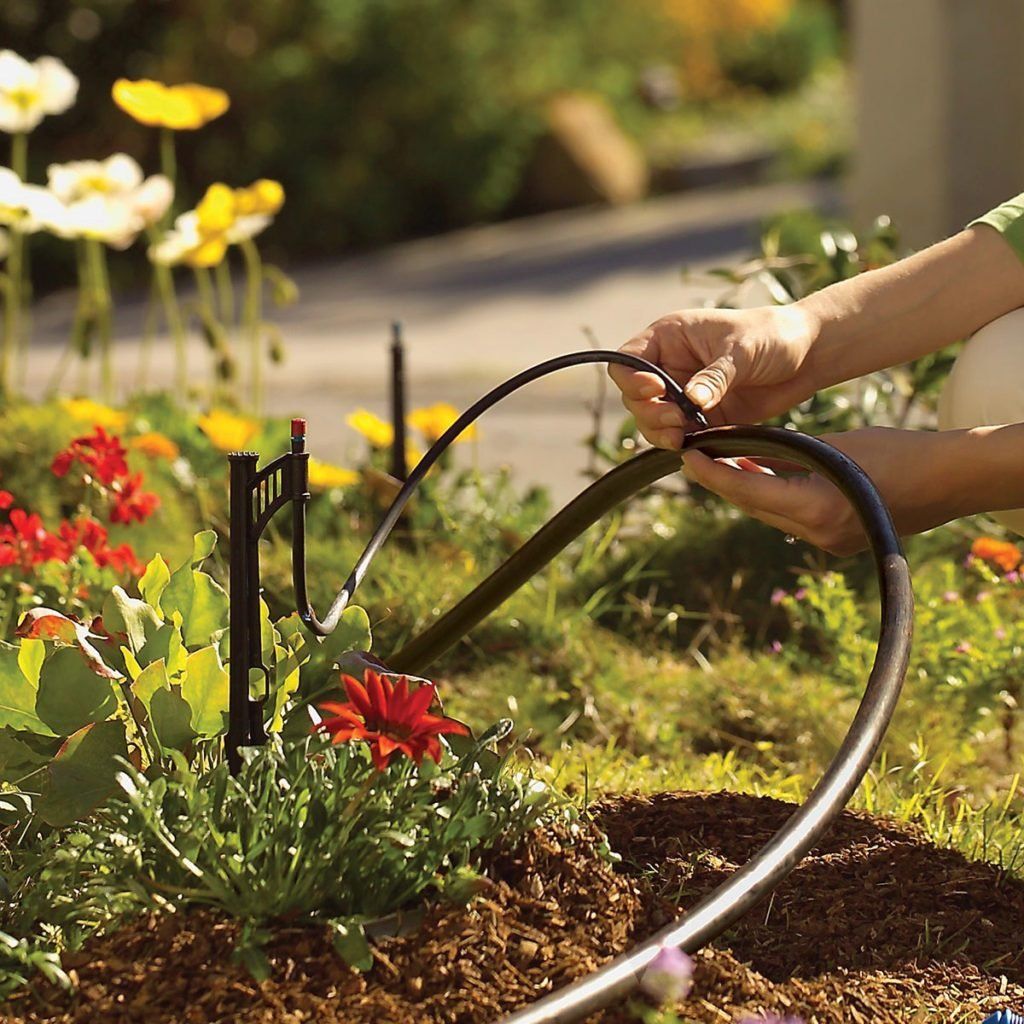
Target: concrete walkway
477,306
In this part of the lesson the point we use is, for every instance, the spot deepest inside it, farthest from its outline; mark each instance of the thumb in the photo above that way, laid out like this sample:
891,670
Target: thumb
708,387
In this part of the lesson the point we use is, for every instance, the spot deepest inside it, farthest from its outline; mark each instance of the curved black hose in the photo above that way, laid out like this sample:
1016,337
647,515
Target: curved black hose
751,883
329,623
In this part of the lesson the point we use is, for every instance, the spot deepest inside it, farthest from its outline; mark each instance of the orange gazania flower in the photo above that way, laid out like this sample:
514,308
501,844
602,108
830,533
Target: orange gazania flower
999,552
155,445
390,717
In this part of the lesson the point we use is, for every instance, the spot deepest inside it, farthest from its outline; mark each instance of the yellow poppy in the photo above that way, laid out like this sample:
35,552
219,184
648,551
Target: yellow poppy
226,430
265,196
180,107
323,476
378,432
155,445
87,411
433,420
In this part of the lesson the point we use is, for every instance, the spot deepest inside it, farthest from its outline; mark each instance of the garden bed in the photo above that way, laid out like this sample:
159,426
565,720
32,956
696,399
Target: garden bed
877,925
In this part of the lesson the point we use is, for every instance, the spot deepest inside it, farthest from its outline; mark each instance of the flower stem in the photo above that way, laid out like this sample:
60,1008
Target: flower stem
149,328
172,313
169,169
102,306
253,309
225,293
14,299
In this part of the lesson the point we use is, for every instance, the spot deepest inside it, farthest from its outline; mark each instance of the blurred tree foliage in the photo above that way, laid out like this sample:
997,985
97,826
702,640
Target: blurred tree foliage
382,118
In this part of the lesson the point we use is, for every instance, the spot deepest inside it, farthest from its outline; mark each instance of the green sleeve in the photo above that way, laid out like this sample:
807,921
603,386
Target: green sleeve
1008,220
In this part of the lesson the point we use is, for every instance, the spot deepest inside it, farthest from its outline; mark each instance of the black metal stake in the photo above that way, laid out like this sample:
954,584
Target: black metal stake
399,465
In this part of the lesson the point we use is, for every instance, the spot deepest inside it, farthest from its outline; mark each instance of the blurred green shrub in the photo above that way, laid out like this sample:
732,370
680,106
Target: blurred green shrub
382,118
781,57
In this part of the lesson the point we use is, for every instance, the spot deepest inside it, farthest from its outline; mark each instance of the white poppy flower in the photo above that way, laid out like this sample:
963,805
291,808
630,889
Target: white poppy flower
79,179
109,219
27,207
182,239
30,91
153,198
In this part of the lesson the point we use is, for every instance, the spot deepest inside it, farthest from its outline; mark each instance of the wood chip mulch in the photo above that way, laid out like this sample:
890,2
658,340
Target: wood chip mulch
876,925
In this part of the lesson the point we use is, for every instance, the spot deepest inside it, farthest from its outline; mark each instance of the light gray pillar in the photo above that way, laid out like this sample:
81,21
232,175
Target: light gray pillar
940,110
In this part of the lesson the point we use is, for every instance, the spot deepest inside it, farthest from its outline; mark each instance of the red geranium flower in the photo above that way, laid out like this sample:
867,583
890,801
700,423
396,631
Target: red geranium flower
390,717
101,454
131,502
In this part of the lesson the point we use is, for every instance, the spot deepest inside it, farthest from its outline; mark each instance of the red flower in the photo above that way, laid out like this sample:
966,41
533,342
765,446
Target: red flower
131,502
390,717
6,499
102,455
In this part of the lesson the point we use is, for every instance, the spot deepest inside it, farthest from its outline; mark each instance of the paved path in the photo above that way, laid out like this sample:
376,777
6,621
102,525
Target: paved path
478,305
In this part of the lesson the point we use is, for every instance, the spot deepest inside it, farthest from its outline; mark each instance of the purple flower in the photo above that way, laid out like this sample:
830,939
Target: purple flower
779,595
951,597
1000,633
800,594
983,595
963,647
1012,576
776,646
669,976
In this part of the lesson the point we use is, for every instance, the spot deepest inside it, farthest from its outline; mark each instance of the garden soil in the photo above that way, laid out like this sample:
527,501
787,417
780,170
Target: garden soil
877,925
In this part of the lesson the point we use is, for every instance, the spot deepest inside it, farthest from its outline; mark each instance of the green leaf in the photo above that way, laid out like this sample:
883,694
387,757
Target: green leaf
349,941
152,678
205,689
154,580
46,624
285,685
71,695
31,655
201,602
203,544
18,696
81,776
23,752
131,616
172,718
352,634
166,645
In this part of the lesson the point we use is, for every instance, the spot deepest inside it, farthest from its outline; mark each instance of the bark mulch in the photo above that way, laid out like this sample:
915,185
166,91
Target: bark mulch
876,925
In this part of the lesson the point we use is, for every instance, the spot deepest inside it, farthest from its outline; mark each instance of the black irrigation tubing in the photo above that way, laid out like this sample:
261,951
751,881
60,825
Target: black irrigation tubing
766,869
323,627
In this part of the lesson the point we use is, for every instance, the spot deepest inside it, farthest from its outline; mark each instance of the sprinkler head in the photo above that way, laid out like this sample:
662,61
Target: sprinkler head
1004,1017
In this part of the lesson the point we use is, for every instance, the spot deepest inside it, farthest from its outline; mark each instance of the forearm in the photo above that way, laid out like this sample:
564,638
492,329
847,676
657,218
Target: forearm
985,467
918,305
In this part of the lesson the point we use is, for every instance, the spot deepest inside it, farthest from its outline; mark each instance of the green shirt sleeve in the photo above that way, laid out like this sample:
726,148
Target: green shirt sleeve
1008,220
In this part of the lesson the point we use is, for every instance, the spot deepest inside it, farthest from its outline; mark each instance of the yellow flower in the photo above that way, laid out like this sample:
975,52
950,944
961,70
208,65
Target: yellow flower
433,420
378,432
87,411
323,476
226,430
155,445
181,107
265,196
223,217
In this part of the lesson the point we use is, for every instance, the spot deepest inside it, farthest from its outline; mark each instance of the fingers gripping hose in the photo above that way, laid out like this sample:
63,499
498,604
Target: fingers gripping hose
755,880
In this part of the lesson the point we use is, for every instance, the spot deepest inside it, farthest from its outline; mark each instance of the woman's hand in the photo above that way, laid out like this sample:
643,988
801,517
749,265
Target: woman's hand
747,365
917,472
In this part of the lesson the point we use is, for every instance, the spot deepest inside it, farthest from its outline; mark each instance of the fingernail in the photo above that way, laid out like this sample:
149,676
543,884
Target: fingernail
700,393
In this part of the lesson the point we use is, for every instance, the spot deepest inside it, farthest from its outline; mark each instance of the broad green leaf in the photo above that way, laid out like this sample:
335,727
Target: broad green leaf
70,695
18,696
169,714
23,752
201,602
131,616
203,544
154,580
286,686
172,718
205,689
81,776
31,655
166,645
349,941
152,678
